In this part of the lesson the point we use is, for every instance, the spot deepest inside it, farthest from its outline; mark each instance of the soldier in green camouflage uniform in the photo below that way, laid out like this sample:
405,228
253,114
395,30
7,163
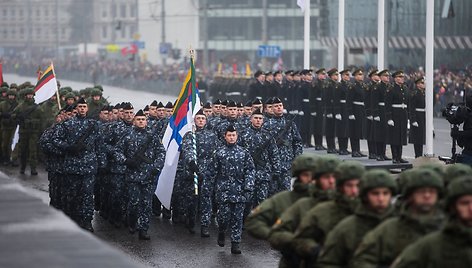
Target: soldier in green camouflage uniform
452,246
7,125
29,116
284,229
318,221
261,219
377,189
419,215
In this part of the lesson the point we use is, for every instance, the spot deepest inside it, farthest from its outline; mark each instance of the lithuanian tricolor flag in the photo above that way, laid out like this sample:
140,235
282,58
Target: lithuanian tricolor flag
46,86
181,122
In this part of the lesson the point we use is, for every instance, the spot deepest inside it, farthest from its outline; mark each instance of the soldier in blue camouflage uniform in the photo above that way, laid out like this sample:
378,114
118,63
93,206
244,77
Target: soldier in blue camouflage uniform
79,137
261,145
152,118
231,119
289,144
215,118
115,132
143,156
54,164
232,169
206,144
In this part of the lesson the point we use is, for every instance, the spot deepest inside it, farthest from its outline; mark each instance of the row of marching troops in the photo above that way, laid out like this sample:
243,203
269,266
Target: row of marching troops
345,105
109,159
340,215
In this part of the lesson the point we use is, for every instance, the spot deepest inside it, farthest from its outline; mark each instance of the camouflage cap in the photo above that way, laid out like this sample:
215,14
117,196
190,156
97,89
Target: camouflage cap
326,164
422,177
348,170
377,178
303,162
456,170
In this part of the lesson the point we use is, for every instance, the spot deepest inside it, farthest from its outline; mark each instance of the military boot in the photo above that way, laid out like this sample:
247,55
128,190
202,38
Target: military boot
235,248
221,239
143,235
204,232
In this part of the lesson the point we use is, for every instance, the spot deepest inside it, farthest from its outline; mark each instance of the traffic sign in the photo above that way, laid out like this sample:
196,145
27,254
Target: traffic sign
265,51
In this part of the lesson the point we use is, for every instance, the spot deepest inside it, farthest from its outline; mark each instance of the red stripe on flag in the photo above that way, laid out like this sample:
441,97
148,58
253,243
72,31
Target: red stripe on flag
44,81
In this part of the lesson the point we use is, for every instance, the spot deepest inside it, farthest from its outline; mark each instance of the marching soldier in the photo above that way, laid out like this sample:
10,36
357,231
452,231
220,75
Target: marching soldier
289,143
317,108
376,190
29,117
7,125
261,219
143,155
378,112
329,109
396,106
232,169
417,117
79,139
341,112
419,215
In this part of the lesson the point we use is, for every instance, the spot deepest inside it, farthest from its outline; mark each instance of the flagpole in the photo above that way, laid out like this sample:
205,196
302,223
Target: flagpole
58,98
429,77
194,139
306,34
341,36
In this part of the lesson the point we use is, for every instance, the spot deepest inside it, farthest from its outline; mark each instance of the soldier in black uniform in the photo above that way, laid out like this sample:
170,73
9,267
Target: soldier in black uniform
316,103
256,88
305,88
278,86
417,117
369,107
396,106
329,109
287,90
378,113
268,86
341,112
356,109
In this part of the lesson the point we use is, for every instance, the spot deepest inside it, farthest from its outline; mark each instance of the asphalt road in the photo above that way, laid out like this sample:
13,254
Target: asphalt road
172,245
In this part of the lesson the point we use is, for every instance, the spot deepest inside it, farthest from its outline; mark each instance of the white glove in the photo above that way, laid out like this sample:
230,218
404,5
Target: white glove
370,117
338,116
352,117
377,118
390,123
415,124
329,116
301,113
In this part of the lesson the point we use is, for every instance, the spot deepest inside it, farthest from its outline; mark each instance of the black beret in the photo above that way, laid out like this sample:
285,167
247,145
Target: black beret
140,113
240,105
104,108
153,103
69,108
277,72
160,105
257,111
248,104
268,73
169,105
224,102
110,108
256,102
217,102
81,101
231,104
146,108
117,106
127,106
276,100
230,128
207,105
269,101
200,112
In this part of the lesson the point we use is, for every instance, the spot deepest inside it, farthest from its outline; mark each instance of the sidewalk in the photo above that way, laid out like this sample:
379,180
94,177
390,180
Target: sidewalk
35,235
